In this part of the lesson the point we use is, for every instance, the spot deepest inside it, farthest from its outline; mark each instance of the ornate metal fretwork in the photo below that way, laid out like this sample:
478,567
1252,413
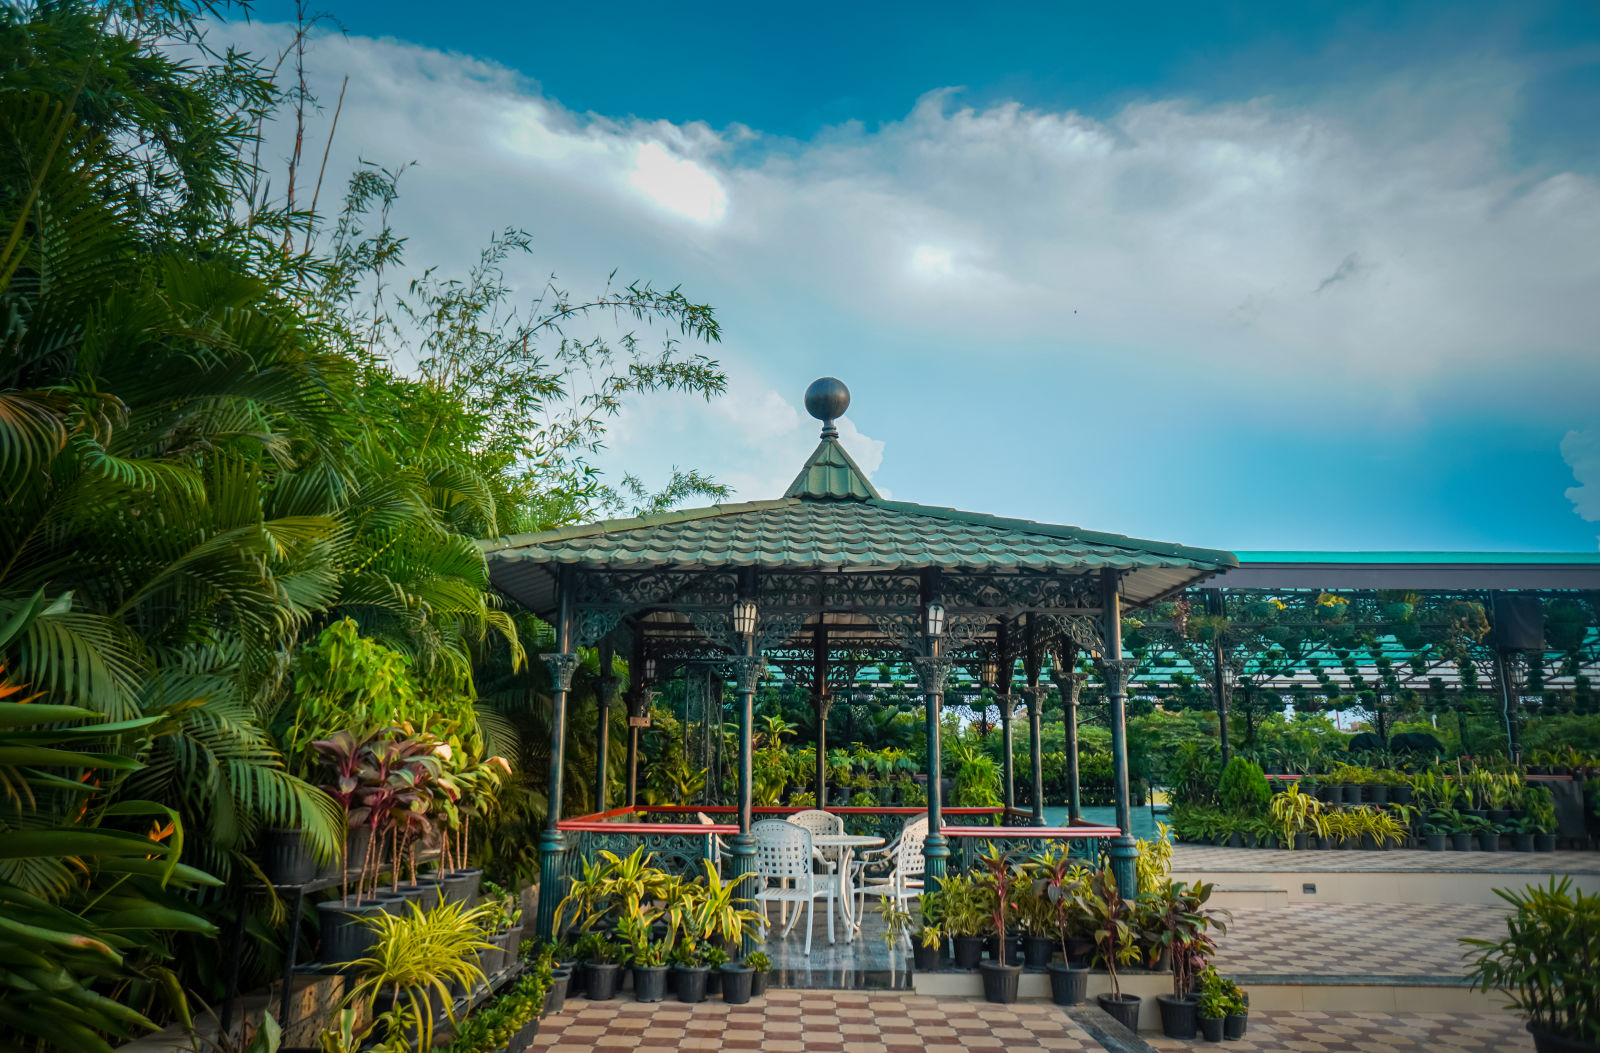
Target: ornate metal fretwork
677,851
1093,850
561,668
1084,632
1013,593
595,623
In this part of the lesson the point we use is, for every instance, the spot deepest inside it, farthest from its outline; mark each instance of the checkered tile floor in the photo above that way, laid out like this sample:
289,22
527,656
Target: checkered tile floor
788,1021
1383,939
1313,1032
1197,859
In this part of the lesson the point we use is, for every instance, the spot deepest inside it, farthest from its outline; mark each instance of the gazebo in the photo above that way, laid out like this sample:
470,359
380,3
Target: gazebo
827,573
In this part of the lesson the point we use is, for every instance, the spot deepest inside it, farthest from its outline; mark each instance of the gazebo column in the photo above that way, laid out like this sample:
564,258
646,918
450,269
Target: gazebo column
932,670
746,668
1117,670
1008,778
824,704
1035,701
605,698
638,699
1069,685
552,843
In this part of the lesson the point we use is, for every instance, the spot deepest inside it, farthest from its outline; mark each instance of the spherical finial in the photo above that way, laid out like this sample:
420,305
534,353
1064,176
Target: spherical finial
826,400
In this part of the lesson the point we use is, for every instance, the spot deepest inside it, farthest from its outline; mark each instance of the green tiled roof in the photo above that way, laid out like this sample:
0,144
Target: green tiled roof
862,533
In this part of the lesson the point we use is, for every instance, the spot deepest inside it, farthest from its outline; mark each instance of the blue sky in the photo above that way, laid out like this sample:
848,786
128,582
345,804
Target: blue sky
1247,275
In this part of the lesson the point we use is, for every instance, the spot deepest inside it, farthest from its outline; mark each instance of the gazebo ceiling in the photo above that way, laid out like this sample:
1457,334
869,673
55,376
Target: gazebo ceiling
833,521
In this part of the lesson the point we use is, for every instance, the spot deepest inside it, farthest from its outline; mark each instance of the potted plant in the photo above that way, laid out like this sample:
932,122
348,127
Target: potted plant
1296,814
1064,885
602,969
1547,965
1213,1005
1237,1016
1037,919
1540,804
965,916
760,966
415,958
1441,823
647,957
1116,943
1182,923
1003,878
1519,834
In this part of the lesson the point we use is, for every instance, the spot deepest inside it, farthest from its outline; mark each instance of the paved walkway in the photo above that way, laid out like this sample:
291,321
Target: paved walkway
814,1022
1343,939
1311,1032
1190,859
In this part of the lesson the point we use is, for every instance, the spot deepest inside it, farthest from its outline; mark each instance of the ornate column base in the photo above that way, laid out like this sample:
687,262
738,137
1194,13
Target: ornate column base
936,851
552,881
742,866
1124,854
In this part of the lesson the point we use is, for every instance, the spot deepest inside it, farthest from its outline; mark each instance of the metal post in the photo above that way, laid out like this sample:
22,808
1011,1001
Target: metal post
742,846
1219,675
1502,673
932,670
824,703
1008,783
1035,702
552,843
636,705
1070,684
605,697
1117,670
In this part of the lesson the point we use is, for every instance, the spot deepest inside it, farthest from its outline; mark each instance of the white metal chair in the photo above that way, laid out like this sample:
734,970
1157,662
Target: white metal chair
903,879
783,854
818,822
716,847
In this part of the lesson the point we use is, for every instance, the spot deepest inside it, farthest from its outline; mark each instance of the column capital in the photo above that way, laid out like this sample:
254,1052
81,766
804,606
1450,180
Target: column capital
823,700
1034,698
746,670
931,672
607,689
1117,672
1070,685
561,667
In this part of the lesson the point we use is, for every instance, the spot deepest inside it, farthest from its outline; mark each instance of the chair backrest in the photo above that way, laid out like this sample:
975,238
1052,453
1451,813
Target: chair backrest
705,820
713,842
783,850
818,822
909,859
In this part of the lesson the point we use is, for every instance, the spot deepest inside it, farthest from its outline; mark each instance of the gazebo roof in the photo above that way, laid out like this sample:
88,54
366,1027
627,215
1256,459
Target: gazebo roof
833,519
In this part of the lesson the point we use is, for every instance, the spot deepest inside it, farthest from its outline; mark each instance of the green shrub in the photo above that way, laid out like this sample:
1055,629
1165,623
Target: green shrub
1243,788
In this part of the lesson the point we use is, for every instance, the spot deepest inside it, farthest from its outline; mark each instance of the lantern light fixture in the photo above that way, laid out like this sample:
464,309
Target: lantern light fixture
935,620
990,672
649,668
744,617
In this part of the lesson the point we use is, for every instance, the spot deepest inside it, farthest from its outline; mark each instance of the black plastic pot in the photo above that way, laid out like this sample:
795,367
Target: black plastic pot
714,981
1078,951
286,857
1521,842
1233,1026
555,999
603,979
1179,1016
461,886
691,982
1013,949
1123,1008
736,983
1037,951
1488,842
758,984
575,977
1434,842
1461,842
926,959
1069,984
1499,815
525,1037
1377,793
649,983
1545,1042
1302,841
1000,982
969,951
345,934
1544,842
1235,840
1400,794
1211,1028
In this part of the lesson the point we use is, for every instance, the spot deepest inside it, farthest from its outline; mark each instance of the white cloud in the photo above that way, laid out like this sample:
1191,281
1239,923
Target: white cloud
1355,253
1581,451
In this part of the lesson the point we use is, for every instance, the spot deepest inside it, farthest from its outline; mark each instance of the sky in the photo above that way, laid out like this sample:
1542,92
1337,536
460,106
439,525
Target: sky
1248,276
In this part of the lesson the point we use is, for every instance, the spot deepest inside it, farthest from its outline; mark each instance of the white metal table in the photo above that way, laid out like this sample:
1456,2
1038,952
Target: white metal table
847,845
